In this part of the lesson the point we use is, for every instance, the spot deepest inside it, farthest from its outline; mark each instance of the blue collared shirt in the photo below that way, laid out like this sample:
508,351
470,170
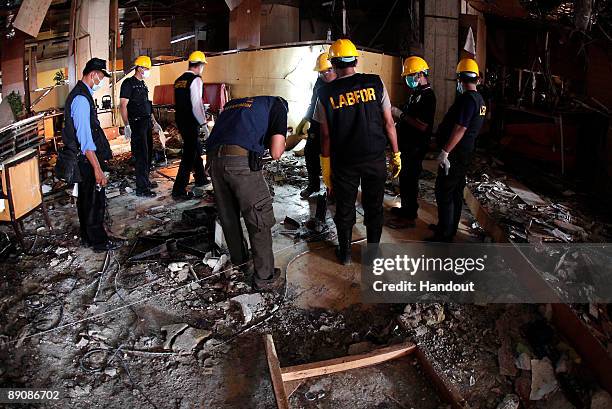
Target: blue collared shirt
80,113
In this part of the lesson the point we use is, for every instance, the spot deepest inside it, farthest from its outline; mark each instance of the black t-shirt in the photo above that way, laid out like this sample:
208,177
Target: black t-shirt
137,92
421,105
277,123
469,111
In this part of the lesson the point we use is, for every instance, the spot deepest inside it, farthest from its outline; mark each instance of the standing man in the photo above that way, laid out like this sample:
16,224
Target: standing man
137,114
83,135
457,135
190,116
242,132
354,113
312,151
414,125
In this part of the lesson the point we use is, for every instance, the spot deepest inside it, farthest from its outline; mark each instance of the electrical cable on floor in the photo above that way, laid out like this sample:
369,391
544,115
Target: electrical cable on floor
117,355
169,291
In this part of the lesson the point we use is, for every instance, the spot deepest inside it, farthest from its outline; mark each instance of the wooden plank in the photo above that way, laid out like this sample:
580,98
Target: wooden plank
346,363
275,373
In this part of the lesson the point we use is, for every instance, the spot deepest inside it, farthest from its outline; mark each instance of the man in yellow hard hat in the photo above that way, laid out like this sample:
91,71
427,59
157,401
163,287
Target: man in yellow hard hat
190,116
312,151
354,113
457,136
137,113
414,125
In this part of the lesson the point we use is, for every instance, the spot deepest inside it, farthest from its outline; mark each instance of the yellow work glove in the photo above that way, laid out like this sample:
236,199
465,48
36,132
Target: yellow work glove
326,171
302,127
395,164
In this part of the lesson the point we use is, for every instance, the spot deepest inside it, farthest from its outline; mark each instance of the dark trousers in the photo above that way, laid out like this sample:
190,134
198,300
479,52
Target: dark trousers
345,182
312,151
142,150
449,193
91,205
241,191
191,161
412,166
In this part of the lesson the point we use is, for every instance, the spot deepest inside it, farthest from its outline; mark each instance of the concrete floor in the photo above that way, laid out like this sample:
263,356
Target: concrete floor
233,376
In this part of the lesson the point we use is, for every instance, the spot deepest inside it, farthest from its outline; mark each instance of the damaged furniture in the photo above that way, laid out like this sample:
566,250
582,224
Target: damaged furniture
21,191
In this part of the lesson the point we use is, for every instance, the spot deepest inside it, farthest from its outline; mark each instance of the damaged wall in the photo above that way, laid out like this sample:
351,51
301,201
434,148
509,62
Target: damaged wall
441,51
287,72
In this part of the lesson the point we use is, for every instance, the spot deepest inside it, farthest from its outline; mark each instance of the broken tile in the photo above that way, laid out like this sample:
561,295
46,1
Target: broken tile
543,380
523,361
188,341
171,332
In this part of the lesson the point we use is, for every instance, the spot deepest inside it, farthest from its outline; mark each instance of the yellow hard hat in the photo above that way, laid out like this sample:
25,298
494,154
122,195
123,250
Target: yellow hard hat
197,56
323,63
414,64
143,61
467,65
343,48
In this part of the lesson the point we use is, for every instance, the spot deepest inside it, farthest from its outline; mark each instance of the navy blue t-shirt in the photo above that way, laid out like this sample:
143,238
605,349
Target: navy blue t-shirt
249,123
468,110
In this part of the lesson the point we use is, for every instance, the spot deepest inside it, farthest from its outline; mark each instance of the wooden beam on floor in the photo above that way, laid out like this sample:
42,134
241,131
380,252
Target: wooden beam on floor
346,363
275,373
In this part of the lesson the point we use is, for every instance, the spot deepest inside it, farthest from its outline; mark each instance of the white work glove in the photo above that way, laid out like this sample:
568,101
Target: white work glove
443,161
128,132
162,138
396,113
157,127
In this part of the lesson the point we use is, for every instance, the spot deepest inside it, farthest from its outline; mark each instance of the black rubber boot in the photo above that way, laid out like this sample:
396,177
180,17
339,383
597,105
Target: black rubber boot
373,234
372,250
343,251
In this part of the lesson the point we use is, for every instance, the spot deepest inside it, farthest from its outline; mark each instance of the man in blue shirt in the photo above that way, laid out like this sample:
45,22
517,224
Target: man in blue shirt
242,132
83,135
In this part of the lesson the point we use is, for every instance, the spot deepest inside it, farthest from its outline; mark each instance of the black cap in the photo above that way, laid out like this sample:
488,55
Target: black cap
96,64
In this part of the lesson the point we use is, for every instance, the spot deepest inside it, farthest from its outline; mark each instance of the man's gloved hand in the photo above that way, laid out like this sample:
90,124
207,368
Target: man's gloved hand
302,127
128,132
326,171
395,164
443,161
396,113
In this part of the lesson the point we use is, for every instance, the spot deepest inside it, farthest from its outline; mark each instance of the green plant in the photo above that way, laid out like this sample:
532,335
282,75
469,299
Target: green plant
59,77
14,100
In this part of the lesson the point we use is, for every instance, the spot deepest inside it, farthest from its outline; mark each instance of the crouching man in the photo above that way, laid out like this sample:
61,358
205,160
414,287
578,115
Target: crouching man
242,132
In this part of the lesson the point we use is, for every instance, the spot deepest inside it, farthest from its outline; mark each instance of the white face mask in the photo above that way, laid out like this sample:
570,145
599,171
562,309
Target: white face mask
146,73
99,85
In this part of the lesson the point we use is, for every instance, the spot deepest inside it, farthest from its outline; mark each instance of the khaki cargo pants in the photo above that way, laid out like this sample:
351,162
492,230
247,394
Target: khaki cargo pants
241,191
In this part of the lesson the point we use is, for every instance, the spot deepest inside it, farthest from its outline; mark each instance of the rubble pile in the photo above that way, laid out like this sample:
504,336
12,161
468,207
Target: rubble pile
289,169
542,220
501,356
